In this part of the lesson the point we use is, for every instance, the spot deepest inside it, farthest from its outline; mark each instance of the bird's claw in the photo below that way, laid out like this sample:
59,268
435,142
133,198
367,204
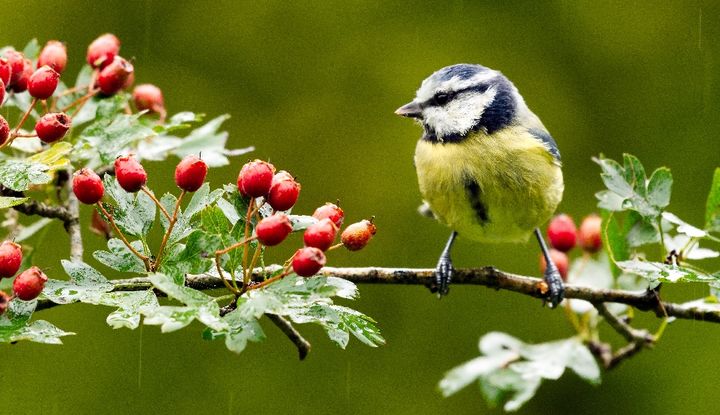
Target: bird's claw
556,288
443,275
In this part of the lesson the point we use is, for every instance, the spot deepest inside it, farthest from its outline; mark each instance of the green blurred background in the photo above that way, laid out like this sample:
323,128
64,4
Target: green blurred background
313,86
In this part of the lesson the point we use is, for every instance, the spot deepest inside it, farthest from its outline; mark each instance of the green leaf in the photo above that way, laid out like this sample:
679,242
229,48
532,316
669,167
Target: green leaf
512,371
179,121
7,201
684,227
32,50
129,306
15,325
659,272
301,222
135,213
120,258
659,188
208,141
30,230
18,175
238,332
712,210
86,285
112,139
198,306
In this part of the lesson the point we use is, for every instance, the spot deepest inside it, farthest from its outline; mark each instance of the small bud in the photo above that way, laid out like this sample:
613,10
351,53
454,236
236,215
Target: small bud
148,97
4,302
190,173
29,284
331,211
4,130
308,261
320,235
274,229
130,174
10,259
21,84
357,235
5,71
53,54
53,126
88,187
103,50
561,261
284,191
255,178
43,82
589,235
112,77
562,233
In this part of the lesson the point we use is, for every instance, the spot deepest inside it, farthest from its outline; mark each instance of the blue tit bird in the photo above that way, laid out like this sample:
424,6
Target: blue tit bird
486,165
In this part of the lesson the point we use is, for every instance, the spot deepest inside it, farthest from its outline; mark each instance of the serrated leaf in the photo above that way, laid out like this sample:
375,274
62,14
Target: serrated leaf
86,285
129,306
512,371
135,213
18,175
15,325
238,332
112,139
684,227
179,121
207,140
120,258
712,207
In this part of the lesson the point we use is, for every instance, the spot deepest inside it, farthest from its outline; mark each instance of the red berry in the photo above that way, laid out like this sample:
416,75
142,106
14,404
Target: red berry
4,302
308,261
255,178
54,54
190,173
21,84
103,50
88,187
4,130
274,229
112,77
129,81
589,235
320,235
331,211
561,261
16,60
562,233
52,126
284,191
5,71
43,82
10,259
130,173
29,284
148,97
357,235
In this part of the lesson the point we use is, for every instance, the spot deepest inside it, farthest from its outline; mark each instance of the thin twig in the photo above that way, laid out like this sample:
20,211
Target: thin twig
302,345
157,202
72,226
171,225
144,258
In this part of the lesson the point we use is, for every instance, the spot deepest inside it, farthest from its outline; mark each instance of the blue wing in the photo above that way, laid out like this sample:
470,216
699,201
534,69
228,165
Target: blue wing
549,142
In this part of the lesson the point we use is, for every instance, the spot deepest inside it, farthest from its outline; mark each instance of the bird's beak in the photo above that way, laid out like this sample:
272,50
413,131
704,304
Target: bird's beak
410,110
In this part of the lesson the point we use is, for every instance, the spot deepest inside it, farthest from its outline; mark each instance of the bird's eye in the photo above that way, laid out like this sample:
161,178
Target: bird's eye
441,98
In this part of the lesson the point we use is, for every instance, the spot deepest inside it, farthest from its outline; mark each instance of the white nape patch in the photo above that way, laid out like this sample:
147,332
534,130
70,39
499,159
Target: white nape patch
430,86
460,114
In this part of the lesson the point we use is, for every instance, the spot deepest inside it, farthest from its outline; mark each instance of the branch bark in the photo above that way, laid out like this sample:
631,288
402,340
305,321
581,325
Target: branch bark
489,277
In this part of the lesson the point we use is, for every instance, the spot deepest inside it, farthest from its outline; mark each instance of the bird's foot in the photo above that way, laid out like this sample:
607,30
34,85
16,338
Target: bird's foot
556,288
443,276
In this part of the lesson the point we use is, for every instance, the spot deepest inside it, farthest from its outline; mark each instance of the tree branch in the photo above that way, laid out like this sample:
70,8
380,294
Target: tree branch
637,340
72,226
489,277
302,345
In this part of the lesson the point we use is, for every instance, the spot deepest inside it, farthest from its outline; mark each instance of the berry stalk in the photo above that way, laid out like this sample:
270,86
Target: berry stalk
145,259
173,219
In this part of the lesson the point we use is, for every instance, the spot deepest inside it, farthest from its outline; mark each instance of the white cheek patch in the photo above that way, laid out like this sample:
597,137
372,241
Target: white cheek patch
459,115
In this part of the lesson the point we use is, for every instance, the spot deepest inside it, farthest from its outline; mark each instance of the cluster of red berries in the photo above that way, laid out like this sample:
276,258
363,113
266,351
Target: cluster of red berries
280,190
28,285
112,73
131,176
564,236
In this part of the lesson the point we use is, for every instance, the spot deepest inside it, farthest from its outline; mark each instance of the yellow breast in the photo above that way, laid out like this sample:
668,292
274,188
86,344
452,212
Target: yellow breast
490,188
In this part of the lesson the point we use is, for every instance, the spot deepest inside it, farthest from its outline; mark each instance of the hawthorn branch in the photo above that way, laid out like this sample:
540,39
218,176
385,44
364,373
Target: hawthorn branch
302,345
637,340
72,226
488,277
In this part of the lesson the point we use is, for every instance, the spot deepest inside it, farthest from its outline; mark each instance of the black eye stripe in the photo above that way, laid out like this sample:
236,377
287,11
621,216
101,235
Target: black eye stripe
442,97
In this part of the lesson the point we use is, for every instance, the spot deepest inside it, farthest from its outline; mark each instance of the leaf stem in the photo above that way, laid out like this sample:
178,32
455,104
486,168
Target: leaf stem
20,124
144,258
268,281
157,202
171,225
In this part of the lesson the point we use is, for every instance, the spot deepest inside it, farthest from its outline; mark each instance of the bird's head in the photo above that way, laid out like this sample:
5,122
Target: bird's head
460,99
